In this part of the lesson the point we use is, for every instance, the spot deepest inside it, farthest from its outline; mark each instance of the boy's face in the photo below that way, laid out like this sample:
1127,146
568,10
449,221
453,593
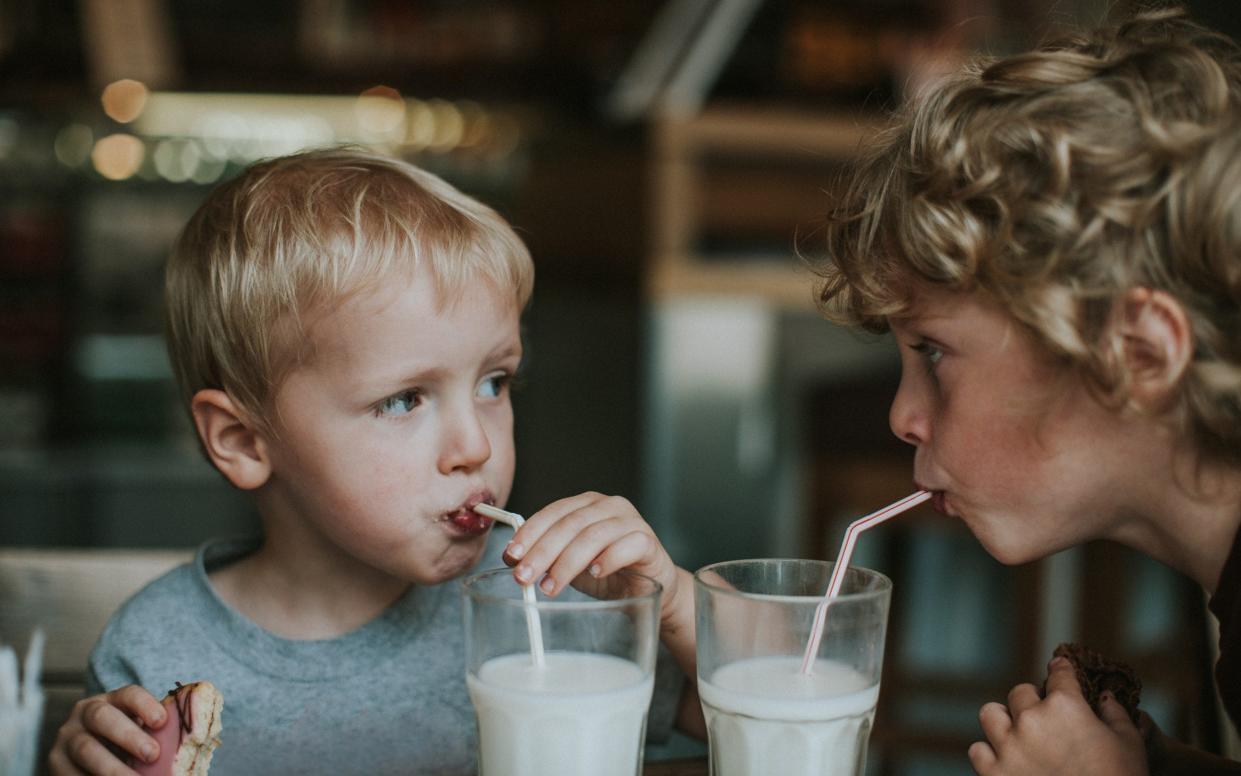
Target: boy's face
399,424
1012,442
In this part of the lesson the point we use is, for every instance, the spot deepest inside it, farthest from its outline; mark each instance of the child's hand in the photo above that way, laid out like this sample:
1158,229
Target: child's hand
1059,734
101,729
583,539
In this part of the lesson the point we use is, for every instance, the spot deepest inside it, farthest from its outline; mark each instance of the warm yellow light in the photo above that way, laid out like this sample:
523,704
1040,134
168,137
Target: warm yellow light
420,126
380,111
118,157
449,125
124,100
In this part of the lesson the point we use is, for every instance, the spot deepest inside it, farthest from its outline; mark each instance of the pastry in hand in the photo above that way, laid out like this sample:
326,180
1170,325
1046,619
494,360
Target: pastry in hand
1097,674
191,733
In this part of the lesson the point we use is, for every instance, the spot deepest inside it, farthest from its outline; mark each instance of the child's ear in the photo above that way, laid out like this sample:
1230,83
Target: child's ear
1157,344
231,441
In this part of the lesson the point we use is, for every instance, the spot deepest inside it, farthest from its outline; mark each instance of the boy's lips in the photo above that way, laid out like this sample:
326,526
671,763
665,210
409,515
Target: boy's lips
939,499
465,521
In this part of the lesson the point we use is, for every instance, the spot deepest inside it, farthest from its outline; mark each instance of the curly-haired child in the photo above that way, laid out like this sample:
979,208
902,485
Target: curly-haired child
1054,240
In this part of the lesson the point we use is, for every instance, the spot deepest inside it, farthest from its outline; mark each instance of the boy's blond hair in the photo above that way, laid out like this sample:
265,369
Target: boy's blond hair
291,238
1053,182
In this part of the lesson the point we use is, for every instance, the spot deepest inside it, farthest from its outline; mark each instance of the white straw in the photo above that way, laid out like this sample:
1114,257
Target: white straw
842,563
533,626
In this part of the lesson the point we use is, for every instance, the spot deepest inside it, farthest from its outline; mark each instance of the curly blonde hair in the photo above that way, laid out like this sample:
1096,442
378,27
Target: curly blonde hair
292,237
1053,182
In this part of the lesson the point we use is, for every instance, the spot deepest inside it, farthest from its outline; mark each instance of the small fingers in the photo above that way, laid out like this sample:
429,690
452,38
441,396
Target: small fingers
1062,677
626,551
1021,698
59,764
982,757
1116,717
996,722
102,720
542,521
89,754
137,702
570,544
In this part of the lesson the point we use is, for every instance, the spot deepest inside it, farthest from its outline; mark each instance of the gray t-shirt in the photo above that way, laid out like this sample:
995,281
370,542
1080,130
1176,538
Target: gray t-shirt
387,698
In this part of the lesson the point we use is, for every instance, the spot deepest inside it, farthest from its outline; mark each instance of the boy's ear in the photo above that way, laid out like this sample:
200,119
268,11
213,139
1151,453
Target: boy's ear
1156,344
231,442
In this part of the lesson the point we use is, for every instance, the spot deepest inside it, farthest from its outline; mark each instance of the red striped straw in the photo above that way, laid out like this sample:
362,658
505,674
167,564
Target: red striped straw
842,563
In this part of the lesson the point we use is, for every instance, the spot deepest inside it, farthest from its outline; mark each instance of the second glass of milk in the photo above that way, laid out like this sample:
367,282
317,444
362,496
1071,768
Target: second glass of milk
583,709
764,714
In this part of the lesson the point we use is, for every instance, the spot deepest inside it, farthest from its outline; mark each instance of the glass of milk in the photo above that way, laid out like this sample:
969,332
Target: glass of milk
584,709
764,715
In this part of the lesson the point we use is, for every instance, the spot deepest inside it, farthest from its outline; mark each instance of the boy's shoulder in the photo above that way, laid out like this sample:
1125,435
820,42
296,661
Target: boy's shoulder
140,628
161,599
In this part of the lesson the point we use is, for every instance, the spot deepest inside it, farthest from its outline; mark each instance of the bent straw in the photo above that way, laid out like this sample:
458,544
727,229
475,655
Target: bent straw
533,627
842,563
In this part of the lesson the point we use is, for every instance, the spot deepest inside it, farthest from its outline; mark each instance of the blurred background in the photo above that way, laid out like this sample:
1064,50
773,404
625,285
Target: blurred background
666,162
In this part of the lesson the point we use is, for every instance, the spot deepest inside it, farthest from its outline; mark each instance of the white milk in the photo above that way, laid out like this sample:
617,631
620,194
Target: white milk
580,714
765,717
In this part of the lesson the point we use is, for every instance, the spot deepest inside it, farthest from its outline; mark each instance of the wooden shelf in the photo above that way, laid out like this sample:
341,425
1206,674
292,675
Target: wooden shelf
793,155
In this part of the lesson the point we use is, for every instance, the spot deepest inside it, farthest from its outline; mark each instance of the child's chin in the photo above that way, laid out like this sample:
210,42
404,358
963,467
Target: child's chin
1010,554
459,559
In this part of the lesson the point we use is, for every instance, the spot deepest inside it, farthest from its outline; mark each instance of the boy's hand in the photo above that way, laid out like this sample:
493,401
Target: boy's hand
102,729
583,539
1058,734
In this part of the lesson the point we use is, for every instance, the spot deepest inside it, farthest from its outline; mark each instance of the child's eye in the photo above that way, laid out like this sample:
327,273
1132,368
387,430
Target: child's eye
930,353
398,404
493,386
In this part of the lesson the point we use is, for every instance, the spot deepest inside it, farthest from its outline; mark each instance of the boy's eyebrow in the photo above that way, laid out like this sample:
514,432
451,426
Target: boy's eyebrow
507,350
428,374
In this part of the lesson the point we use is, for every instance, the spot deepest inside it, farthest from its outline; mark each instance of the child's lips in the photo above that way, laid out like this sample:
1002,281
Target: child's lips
469,522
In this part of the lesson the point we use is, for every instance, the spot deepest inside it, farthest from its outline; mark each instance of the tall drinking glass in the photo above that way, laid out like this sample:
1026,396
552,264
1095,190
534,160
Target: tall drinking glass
764,715
584,709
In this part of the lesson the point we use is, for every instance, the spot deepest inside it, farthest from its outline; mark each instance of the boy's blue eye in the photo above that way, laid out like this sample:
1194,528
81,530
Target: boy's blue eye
493,386
399,404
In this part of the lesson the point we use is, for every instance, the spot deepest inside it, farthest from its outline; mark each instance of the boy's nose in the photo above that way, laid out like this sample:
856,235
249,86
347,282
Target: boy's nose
908,417
465,443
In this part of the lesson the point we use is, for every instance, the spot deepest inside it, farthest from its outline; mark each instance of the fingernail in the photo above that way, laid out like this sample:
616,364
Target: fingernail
548,584
515,551
523,573
1057,662
148,753
1105,696
595,571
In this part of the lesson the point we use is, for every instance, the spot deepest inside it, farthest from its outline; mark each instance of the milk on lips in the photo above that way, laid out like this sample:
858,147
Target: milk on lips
766,717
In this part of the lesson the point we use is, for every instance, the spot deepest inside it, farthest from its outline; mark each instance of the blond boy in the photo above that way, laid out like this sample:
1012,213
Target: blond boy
344,328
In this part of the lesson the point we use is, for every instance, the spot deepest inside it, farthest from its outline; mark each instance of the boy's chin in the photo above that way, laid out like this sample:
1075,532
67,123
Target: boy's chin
1010,554
460,558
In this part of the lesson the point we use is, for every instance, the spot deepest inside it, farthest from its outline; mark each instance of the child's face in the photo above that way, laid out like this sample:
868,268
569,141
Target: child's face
397,426
1012,442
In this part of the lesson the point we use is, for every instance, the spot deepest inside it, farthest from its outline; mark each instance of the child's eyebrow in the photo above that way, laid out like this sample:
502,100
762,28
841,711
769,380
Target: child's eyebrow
432,373
397,380
506,351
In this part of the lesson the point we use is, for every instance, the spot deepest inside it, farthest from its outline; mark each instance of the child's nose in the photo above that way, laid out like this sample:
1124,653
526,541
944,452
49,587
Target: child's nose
465,444
908,415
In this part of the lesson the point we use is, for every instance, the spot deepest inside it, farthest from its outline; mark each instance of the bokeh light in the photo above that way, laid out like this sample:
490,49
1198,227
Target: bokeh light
117,157
73,145
124,100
